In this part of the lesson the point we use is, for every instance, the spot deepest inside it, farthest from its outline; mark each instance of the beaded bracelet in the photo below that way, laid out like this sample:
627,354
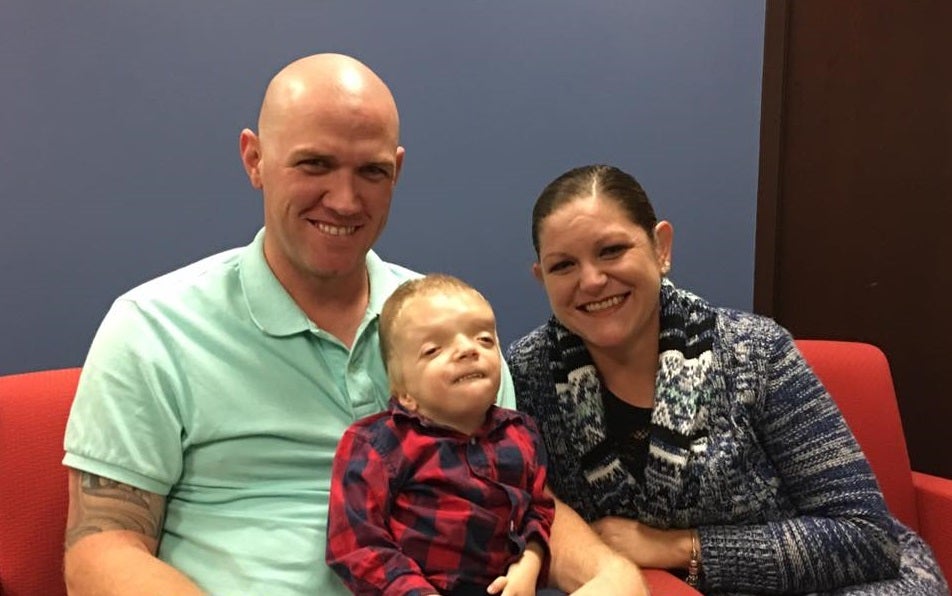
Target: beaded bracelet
694,565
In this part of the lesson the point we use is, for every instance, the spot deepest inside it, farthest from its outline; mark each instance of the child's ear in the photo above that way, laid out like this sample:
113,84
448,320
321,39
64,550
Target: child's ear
407,401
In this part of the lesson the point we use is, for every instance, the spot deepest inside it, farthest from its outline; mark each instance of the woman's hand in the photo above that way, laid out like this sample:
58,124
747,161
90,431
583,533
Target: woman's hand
644,545
520,579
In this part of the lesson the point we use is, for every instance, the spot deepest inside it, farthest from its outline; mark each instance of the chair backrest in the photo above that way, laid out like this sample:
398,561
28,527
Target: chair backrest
33,490
857,376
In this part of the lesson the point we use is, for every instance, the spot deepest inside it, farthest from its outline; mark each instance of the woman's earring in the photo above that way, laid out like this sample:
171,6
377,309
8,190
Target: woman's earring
665,267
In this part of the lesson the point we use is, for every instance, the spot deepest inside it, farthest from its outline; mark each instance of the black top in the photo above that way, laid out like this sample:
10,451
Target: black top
629,428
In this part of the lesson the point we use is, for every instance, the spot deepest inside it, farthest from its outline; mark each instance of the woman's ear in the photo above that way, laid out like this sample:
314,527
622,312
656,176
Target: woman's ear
663,240
537,271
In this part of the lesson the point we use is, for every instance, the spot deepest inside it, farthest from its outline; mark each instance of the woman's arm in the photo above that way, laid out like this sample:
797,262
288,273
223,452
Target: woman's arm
843,534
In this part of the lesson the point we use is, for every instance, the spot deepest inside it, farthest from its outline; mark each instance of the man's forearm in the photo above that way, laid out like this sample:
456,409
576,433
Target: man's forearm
112,536
581,561
117,562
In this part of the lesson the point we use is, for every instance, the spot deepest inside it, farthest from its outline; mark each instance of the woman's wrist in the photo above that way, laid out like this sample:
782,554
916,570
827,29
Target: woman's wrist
694,561
679,554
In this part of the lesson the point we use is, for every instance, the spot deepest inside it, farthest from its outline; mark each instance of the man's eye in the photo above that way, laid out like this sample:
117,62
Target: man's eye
314,163
375,173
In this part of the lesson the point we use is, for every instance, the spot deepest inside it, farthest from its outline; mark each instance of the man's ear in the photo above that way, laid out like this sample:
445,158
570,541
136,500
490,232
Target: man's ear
399,162
249,146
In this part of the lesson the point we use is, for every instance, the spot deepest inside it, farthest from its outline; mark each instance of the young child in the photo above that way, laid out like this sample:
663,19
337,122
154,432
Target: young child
443,492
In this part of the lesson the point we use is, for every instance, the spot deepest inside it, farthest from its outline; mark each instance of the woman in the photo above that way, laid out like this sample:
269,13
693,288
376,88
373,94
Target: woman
692,437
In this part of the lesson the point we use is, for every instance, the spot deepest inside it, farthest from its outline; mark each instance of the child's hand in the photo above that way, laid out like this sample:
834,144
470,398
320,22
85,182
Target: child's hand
498,584
520,579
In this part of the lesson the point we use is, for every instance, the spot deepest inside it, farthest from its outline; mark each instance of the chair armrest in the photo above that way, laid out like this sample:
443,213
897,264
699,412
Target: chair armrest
664,584
934,501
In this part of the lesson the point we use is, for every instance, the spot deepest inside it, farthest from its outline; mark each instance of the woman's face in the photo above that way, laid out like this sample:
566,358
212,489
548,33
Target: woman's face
602,273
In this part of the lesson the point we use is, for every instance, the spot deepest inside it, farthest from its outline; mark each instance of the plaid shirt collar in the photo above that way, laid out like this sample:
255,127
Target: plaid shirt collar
496,419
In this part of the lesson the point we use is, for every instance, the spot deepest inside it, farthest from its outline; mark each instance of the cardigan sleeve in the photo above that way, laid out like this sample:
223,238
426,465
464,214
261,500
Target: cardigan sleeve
843,534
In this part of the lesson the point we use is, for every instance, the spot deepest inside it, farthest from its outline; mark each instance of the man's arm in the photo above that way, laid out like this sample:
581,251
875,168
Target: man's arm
583,564
112,535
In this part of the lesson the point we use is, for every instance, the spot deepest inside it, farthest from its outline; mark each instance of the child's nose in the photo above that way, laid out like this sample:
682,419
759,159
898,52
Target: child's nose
465,348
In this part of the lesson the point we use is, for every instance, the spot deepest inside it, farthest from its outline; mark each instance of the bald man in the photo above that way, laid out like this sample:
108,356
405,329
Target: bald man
212,399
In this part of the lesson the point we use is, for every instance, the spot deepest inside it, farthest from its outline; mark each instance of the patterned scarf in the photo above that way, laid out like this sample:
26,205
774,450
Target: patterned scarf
689,376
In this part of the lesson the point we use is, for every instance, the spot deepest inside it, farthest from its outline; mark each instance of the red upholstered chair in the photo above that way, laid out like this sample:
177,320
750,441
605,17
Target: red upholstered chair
663,583
34,408
33,497
857,376
33,492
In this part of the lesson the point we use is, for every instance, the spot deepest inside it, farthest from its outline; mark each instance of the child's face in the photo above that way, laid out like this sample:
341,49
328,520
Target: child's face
446,361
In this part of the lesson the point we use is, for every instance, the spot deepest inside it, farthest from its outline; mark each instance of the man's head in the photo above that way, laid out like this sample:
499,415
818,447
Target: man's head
326,158
439,343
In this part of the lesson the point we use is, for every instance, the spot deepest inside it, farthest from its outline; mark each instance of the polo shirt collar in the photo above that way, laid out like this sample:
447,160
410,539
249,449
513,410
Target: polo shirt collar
382,283
272,308
269,304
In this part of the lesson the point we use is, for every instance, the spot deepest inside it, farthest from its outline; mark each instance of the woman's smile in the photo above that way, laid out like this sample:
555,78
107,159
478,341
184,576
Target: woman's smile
603,305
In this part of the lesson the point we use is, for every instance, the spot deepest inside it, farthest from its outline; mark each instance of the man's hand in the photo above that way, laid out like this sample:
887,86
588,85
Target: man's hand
618,577
583,564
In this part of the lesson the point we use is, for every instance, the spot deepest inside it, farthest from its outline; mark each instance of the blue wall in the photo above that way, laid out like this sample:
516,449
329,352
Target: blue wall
119,130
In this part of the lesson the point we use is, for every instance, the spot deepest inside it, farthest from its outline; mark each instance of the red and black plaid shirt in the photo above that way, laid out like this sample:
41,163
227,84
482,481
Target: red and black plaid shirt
417,508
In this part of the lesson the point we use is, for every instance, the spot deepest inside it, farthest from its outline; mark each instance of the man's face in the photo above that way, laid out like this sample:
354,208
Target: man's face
446,362
327,173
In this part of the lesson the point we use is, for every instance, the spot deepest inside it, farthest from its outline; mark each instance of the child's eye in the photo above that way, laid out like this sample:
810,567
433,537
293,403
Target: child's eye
487,340
430,351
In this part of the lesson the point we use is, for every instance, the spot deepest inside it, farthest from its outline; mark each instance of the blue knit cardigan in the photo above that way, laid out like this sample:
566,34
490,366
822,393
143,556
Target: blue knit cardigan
746,446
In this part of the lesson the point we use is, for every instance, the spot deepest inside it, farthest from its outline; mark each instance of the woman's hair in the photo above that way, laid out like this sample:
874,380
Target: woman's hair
606,182
434,283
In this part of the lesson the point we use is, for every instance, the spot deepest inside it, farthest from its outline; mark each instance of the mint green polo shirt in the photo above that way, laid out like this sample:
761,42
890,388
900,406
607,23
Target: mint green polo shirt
209,385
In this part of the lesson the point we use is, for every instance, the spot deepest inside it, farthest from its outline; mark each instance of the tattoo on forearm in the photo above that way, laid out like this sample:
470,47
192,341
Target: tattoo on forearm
98,504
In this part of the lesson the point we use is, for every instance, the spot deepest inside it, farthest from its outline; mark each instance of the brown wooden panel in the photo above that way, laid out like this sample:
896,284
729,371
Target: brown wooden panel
771,142
863,193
